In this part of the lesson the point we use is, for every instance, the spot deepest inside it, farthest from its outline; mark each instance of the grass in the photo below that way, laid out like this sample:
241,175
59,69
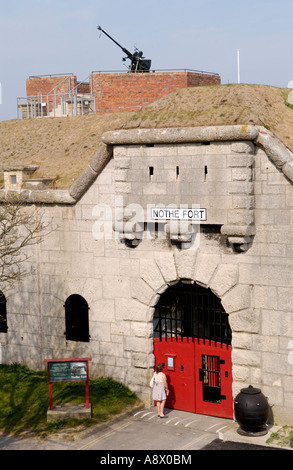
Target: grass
282,437
59,146
24,400
220,105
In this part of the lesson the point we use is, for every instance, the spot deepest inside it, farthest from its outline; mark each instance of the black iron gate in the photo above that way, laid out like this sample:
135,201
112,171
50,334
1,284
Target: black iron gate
191,311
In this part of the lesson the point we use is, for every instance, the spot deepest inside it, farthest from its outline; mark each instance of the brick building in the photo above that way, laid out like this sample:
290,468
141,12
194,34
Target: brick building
57,95
133,91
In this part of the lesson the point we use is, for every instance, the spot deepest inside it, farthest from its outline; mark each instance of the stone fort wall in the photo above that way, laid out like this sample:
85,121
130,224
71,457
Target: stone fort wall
246,260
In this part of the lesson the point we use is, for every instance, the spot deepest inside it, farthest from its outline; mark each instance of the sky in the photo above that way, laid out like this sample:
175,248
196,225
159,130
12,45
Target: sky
43,37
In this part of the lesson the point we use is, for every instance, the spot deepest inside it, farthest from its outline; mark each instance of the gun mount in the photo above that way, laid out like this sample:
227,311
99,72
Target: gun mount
138,62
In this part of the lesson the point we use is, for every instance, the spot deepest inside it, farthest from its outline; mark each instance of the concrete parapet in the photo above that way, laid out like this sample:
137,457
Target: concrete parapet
37,196
90,173
180,135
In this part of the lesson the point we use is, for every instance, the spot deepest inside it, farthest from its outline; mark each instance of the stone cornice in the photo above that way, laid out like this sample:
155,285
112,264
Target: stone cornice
280,155
178,135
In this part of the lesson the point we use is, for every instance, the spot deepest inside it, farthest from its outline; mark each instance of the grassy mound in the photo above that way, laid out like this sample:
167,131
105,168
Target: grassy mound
221,105
62,147
24,400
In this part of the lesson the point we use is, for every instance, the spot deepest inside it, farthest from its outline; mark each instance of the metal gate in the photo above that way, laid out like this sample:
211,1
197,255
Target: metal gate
192,339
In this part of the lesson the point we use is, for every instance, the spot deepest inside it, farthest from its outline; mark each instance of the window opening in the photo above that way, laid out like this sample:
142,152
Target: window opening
3,314
76,318
205,172
210,376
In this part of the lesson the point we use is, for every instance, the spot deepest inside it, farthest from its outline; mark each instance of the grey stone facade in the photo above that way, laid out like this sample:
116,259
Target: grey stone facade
242,176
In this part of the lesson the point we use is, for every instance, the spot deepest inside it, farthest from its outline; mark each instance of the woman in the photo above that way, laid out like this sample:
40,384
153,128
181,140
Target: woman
160,389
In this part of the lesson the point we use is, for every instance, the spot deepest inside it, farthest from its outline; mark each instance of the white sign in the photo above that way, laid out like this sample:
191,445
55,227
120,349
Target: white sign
159,213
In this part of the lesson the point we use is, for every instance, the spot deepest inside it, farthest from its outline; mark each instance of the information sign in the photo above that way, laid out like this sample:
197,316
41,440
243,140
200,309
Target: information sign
68,370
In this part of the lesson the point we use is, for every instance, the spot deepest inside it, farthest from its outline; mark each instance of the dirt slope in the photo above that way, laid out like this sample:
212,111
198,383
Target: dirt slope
62,147
221,105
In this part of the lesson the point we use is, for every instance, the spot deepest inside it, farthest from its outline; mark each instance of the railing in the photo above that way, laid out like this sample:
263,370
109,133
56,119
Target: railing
52,75
54,103
63,104
157,71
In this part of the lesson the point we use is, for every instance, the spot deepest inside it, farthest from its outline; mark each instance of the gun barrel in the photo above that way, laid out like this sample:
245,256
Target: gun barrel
121,47
138,63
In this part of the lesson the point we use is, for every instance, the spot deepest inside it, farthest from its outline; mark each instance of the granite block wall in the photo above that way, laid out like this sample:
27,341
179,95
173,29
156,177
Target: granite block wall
247,262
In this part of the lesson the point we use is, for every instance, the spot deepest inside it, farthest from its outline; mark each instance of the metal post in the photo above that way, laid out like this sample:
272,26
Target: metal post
238,65
87,398
75,105
50,396
62,103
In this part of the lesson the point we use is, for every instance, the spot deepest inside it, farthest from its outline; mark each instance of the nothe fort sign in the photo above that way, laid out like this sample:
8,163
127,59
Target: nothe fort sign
179,214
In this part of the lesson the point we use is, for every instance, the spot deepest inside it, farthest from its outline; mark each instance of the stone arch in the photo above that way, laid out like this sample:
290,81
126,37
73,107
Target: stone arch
190,266
206,269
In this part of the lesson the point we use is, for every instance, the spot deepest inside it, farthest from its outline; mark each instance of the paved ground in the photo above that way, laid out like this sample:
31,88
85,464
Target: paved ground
143,430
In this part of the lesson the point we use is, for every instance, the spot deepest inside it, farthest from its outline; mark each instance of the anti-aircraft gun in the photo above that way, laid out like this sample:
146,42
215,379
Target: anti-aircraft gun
138,62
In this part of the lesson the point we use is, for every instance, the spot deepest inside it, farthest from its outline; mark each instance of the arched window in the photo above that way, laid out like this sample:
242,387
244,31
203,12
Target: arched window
3,315
191,311
77,318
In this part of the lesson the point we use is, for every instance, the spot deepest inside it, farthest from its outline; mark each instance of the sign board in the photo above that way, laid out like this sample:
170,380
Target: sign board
160,213
68,370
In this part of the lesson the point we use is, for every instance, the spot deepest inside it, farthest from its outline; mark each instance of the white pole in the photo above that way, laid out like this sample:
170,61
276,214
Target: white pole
238,65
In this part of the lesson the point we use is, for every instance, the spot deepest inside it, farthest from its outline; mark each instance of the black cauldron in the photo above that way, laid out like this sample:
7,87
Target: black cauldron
251,410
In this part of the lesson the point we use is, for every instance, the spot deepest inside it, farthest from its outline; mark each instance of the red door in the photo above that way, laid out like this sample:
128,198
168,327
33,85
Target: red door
199,375
178,362
213,367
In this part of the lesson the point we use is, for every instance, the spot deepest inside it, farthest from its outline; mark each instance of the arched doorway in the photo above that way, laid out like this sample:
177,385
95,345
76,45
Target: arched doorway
192,339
